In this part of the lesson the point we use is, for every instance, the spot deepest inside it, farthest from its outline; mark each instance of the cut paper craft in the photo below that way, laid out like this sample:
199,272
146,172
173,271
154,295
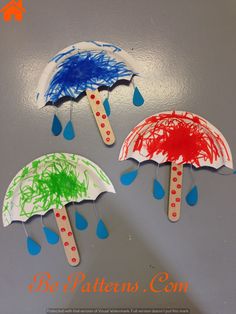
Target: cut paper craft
82,69
180,138
158,191
51,236
69,133
33,247
50,183
102,232
107,107
56,126
80,222
192,196
129,177
137,98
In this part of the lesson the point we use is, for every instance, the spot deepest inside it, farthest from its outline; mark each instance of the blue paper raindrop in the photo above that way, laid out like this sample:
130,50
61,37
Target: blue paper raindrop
137,98
128,177
102,232
192,196
56,126
107,107
158,191
51,236
80,222
69,132
33,247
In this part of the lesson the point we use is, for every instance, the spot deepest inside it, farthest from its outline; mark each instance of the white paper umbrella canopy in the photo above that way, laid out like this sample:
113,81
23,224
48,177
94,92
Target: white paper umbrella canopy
50,182
177,136
82,66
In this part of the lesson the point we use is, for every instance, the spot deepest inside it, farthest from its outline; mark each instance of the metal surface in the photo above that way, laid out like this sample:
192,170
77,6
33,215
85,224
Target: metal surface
187,50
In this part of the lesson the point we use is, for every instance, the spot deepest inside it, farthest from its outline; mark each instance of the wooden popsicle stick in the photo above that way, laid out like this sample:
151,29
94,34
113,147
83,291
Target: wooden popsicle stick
100,116
67,236
175,192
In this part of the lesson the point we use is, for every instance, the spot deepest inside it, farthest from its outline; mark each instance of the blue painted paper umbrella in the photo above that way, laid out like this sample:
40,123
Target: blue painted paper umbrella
85,67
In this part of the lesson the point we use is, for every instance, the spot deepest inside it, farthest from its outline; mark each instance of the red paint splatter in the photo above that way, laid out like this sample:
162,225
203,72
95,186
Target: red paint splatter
97,114
92,96
73,248
174,214
73,260
180,137
102,125
174,179
69,233
63,229
63,217
98,102
57,215
66,243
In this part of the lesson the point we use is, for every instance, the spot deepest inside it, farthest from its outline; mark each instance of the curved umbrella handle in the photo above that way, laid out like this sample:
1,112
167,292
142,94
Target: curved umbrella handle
175,192
100,116
67,236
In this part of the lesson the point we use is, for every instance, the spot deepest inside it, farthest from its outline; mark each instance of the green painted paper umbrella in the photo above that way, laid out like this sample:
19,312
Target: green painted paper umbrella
50,183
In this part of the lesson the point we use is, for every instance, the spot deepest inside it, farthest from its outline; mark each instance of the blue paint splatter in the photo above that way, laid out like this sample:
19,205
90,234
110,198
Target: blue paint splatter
61,55
85,70
116,49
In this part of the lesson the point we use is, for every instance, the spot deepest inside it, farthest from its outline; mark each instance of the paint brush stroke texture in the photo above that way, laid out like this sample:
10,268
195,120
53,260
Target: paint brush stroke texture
180,137
53,181
85,70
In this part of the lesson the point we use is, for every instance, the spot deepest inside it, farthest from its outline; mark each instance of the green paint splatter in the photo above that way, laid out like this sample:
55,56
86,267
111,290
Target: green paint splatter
99,171
57,180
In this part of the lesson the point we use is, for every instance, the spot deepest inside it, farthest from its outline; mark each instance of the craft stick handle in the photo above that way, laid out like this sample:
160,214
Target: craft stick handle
67,236
175,192
100,116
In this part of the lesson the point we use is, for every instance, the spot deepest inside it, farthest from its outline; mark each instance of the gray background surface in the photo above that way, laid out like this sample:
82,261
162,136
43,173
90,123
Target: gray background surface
187,50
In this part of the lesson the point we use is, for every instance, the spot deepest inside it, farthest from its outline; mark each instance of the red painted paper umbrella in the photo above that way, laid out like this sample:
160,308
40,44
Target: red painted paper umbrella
181,138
